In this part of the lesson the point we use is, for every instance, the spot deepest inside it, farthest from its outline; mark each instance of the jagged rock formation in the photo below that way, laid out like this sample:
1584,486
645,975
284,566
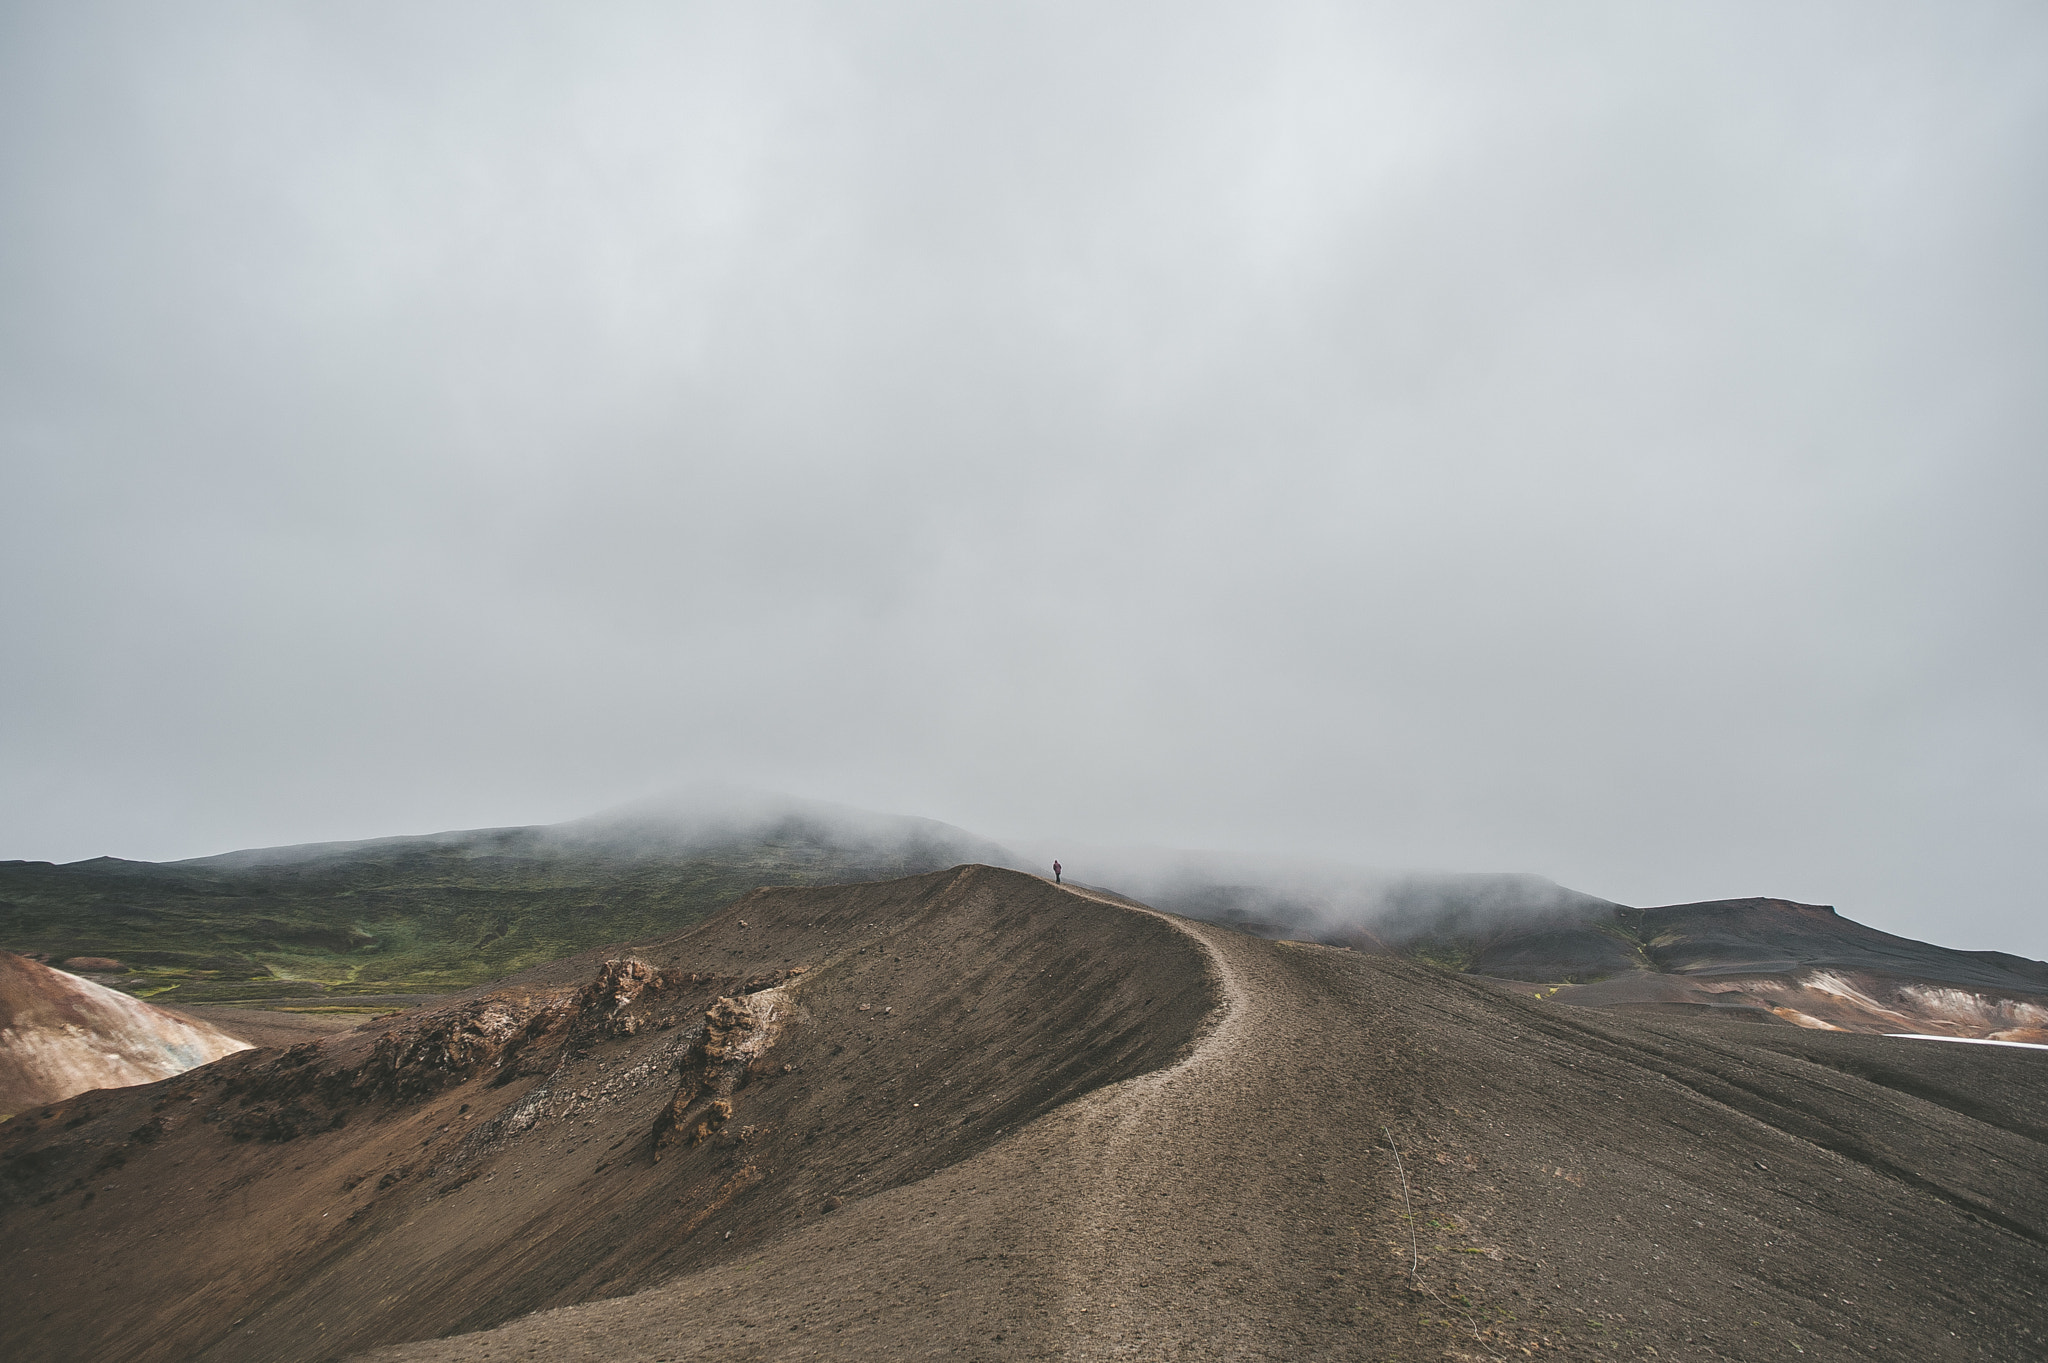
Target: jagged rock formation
61,1035
737,1034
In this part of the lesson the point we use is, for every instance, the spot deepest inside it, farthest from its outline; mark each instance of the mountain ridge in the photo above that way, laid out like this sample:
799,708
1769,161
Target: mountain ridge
359,924
976,1113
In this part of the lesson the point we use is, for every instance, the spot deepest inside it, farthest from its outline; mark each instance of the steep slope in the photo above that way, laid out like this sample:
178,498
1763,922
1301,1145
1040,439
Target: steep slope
1581,1187
61,1035
585,1129
1041,1138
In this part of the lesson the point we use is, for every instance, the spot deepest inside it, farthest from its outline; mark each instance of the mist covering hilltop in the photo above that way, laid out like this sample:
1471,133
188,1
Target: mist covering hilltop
349,923
1756,959
687,825
1292,897
447,910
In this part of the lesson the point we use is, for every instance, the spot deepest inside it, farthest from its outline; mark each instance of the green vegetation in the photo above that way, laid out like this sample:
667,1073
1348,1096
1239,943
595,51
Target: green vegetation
413,915
1447,953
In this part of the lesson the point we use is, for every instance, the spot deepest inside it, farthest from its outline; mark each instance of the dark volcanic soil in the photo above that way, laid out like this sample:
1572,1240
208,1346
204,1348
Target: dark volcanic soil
1050,1147
467,1165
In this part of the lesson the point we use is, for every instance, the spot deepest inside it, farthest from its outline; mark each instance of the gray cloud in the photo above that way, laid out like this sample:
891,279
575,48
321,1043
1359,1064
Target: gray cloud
1583,440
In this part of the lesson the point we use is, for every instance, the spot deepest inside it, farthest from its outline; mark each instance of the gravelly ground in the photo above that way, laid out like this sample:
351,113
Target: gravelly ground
1583,1186
1067,1127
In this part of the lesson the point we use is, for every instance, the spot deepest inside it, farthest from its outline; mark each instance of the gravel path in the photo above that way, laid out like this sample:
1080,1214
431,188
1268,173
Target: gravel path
1584,1187
1181,1214
1209,1220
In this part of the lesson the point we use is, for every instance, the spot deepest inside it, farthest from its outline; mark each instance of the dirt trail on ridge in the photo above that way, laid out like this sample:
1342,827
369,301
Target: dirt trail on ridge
1179,1214
1002,1119
1583,1187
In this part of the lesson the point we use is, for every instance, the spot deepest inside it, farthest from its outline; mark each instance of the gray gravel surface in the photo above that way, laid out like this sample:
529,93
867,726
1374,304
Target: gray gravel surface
1581,1186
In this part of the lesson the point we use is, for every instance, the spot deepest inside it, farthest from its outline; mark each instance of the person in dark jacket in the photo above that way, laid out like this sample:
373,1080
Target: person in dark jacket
1056,874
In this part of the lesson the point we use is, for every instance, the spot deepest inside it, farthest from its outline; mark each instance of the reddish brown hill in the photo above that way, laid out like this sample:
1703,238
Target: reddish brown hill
61,1035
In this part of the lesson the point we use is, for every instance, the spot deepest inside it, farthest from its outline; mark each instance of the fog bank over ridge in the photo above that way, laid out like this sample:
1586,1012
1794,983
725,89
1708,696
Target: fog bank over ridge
1597,439
1268,895
680,824
427,914
1299,897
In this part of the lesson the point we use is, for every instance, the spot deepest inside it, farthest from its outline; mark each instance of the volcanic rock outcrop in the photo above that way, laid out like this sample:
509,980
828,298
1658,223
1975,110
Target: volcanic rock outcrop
61,1035
736,1036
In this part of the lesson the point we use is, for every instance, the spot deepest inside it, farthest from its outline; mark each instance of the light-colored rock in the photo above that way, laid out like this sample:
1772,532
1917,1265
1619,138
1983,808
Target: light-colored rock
61,1035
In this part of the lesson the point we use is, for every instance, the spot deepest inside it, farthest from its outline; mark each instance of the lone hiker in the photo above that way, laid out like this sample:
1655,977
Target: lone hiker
1056,874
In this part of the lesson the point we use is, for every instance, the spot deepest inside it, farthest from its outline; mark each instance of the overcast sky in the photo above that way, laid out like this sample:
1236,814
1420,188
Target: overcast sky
1609,441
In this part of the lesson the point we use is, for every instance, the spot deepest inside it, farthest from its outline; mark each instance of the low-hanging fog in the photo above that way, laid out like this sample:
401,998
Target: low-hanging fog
1593,440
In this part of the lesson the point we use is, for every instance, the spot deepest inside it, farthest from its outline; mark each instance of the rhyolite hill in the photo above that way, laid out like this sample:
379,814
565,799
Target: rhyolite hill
61,1034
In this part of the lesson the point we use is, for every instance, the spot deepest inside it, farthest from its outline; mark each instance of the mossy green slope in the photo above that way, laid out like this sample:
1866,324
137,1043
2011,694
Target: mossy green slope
429,914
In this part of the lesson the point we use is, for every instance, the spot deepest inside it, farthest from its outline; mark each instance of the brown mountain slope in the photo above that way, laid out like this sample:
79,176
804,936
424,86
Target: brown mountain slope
499,1153
1581,1187
61,1035
1030,1160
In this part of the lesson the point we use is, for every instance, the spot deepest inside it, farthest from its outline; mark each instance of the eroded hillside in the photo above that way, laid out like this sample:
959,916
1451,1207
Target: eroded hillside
591,1128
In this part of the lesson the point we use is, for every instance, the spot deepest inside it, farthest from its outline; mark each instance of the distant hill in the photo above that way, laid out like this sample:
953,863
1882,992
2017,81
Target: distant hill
331,923
1762,960
1445,917
337,925
1772,959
